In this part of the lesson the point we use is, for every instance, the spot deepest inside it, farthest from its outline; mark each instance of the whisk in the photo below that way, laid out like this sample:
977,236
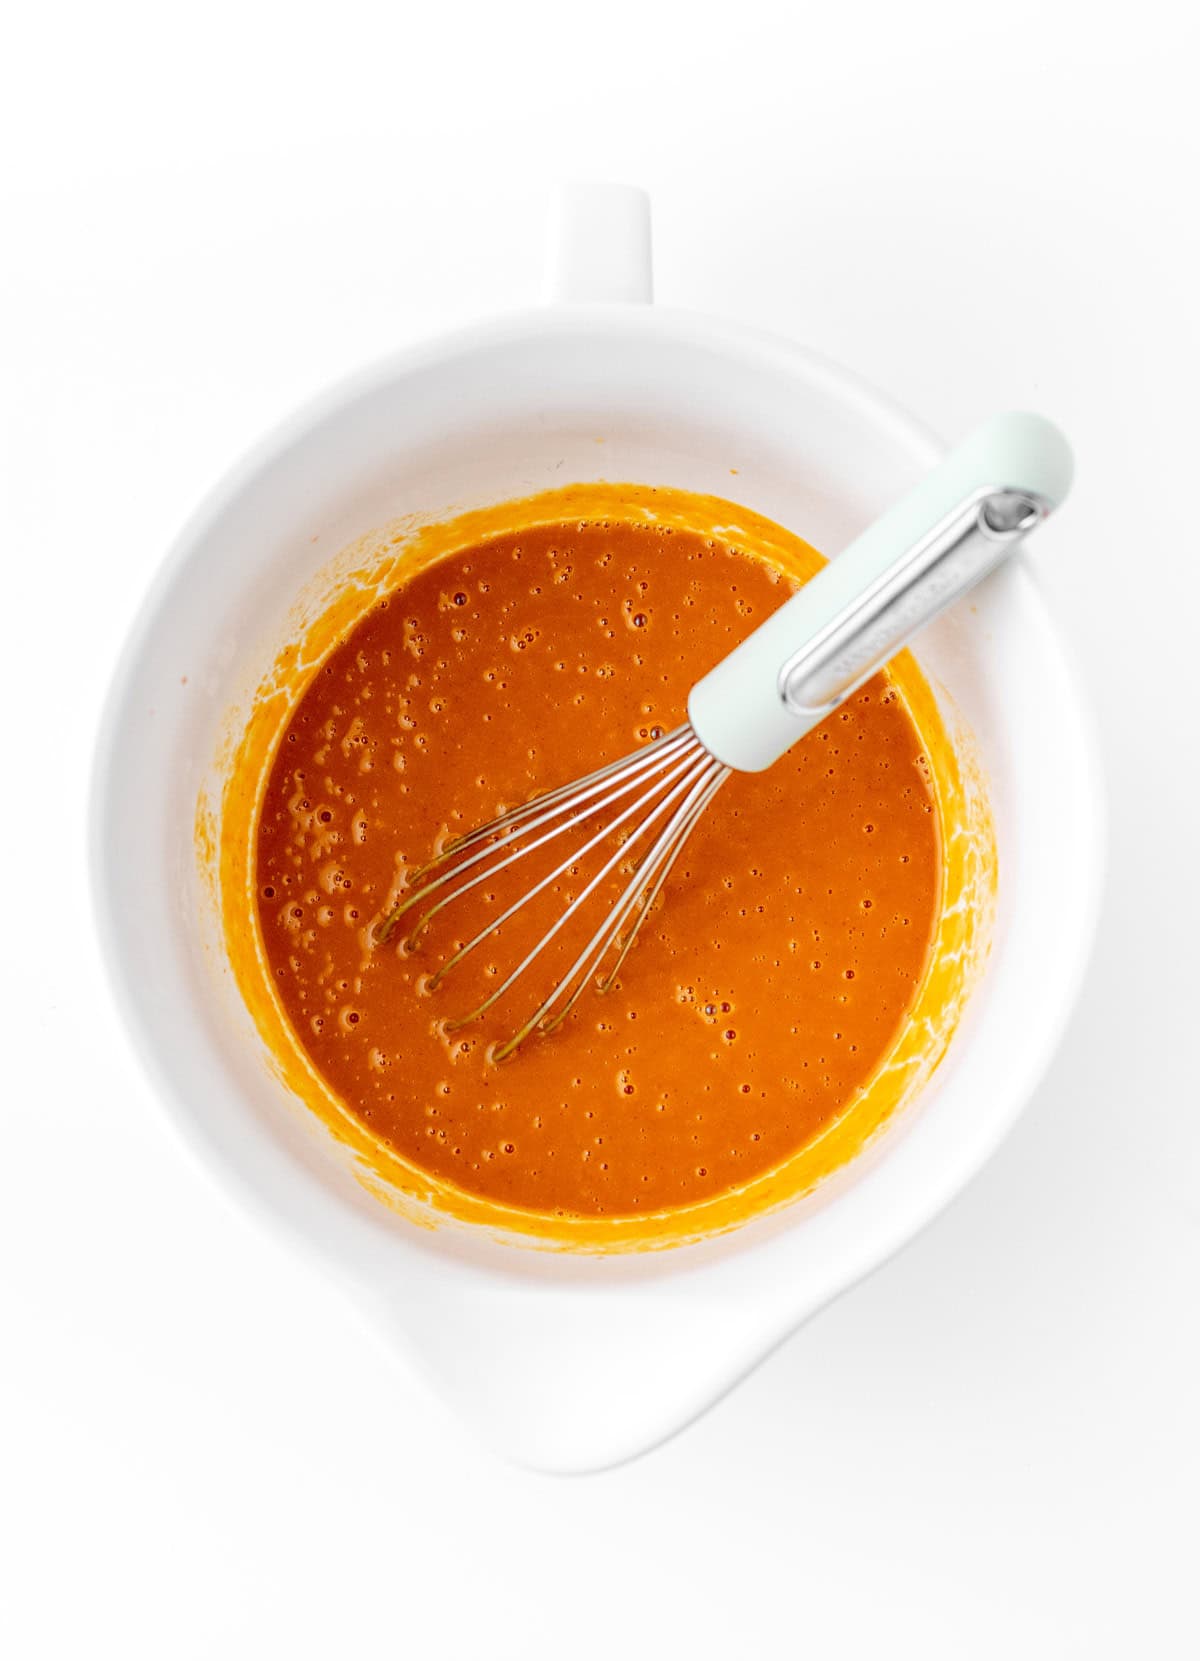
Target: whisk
779,683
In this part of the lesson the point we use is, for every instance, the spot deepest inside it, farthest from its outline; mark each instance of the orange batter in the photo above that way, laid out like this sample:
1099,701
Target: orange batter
763,991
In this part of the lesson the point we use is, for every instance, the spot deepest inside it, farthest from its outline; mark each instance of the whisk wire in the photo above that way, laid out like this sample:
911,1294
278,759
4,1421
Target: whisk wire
581,790
532,815
559,871
619,853
638,897
538,1018
672,778
695,811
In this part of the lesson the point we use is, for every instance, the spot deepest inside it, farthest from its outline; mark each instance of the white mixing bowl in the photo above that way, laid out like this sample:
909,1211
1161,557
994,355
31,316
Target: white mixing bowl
569,1362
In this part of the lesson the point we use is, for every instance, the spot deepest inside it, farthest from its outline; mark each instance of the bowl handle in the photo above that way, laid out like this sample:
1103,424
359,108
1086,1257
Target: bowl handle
598,245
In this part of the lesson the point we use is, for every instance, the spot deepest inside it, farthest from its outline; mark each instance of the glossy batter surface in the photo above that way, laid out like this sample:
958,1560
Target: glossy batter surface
760,996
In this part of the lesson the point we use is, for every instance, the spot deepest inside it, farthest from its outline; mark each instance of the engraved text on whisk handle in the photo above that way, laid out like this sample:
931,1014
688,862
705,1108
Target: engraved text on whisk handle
955,555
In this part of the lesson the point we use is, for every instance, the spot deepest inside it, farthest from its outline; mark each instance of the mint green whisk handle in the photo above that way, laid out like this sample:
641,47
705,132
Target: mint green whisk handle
869,601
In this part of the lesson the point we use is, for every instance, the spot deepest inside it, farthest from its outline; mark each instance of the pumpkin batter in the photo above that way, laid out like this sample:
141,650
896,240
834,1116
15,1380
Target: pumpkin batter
765,988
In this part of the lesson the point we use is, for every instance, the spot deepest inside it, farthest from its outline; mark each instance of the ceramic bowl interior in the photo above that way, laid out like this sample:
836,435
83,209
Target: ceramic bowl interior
578,393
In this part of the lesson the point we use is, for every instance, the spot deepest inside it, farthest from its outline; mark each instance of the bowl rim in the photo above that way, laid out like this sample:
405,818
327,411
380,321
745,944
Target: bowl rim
891,1226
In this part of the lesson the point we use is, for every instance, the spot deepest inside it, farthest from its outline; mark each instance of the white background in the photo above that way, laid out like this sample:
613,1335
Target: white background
991,1448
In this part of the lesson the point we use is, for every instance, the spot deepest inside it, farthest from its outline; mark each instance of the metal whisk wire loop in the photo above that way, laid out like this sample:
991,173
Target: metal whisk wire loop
662,788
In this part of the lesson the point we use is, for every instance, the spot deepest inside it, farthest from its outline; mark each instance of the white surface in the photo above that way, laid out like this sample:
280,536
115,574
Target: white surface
991,1447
